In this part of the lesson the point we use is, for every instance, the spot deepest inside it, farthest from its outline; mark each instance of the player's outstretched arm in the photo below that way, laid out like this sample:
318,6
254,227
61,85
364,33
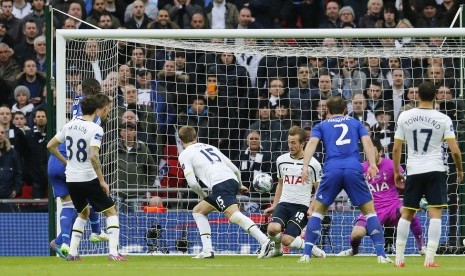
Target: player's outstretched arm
396,152
52,147
457,156
95,161
370,155
308,154
277,197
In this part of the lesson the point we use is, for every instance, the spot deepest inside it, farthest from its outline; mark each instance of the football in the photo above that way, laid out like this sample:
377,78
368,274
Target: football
262,183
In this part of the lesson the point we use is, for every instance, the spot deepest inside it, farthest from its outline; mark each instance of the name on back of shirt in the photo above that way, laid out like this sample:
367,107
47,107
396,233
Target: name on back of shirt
78,128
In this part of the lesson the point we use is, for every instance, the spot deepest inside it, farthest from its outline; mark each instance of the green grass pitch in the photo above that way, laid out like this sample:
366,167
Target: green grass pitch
224,266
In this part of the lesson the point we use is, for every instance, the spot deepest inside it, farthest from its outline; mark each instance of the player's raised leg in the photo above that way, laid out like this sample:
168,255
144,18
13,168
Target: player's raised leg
235,216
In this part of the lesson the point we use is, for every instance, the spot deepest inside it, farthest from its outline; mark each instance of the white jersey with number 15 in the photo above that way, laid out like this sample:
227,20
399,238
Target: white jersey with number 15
208,163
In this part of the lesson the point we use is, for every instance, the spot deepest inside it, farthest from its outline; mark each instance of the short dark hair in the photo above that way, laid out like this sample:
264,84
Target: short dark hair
101,100
336,105
427,91
91,86
88,105
377,144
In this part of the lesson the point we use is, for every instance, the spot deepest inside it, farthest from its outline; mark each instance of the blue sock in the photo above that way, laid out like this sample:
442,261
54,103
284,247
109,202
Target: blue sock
312,233
376,233
67,216
94,220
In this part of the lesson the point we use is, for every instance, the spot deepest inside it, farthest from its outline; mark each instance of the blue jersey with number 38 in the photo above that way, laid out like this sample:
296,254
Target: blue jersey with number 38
340,136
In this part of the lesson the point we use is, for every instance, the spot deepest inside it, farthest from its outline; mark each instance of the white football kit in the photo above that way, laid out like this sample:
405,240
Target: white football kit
290,171
80,135
424,130
208,163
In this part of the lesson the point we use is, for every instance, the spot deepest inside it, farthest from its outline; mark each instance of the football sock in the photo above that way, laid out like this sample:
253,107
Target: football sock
434,234
78,230
376,233
277,240
248,225
401,238
415,227
204,230
297,243
355,244
113,234
313,232
94,220
67,216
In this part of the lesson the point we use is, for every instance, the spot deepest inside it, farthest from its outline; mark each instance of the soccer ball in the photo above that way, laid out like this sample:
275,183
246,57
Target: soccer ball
262,183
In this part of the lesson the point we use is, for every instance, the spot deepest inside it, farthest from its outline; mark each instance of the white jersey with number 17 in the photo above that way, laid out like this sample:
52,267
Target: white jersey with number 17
208,163
80,135
424,130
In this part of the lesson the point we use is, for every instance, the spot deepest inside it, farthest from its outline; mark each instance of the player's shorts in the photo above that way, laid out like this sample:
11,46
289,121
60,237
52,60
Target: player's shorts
83,193
223,195
431,184
387,217
352,181
56,174
292,217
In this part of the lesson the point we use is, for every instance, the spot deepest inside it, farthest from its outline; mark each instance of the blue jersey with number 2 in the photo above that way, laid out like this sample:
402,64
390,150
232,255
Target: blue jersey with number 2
340,136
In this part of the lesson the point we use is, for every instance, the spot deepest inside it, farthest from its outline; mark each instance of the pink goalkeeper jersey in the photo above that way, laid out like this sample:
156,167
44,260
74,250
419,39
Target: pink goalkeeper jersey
383,188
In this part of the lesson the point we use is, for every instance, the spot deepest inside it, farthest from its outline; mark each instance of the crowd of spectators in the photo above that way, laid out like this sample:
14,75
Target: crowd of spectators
243,103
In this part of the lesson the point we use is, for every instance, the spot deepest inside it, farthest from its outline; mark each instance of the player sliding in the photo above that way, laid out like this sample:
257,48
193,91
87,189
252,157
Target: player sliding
220,175
424,129
387,203
342,170
84,176
292,199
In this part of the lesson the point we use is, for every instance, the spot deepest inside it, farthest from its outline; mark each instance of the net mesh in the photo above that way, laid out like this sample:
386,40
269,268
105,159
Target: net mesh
227,88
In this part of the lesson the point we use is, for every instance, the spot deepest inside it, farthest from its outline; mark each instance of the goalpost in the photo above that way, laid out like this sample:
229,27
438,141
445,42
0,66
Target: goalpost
321,50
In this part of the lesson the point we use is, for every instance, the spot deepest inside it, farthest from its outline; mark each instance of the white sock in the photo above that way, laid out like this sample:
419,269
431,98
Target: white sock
434,234
248,225
113,234
204,230
297,243
277,240
76,235
403,228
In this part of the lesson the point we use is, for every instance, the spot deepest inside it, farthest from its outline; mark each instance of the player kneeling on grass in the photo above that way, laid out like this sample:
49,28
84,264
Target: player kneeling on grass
387,203
292,199
220,175
84,175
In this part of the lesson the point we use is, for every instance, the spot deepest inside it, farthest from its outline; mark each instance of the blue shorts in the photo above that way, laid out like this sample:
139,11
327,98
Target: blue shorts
352,181
223,195
56,174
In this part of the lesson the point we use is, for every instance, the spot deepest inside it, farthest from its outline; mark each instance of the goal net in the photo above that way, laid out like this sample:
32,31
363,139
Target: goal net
239,88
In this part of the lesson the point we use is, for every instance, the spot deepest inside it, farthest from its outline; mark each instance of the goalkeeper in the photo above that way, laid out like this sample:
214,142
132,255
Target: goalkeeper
386,201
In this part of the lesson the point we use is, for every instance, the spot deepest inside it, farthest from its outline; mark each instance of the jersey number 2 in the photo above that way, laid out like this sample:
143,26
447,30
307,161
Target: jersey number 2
81,154
341,141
